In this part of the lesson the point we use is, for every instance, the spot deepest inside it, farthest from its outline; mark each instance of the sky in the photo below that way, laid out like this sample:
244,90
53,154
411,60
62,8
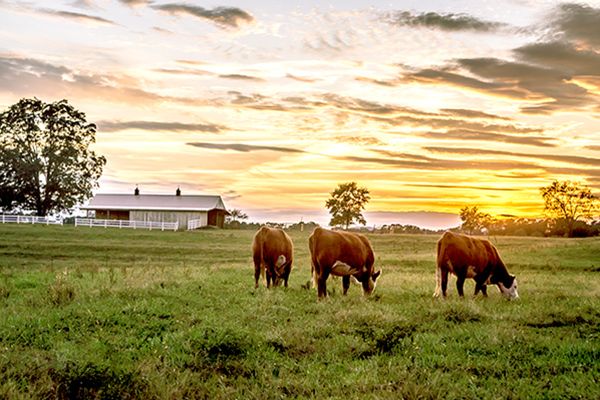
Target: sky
431,105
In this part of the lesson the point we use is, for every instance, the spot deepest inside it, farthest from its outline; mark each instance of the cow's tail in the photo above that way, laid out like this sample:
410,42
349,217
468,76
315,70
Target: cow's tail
313,273
262,261
438,270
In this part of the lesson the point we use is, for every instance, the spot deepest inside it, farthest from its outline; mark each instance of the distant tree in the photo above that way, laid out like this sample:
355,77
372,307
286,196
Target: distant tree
346,204
474,221
237,215
569,201
46,164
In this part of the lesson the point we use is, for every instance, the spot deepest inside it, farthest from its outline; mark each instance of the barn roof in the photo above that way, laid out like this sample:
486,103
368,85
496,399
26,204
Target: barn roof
155,202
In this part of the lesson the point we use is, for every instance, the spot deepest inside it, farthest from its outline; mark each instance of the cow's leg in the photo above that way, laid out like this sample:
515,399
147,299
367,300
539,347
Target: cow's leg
444,282
257,269
322,284
270,275
460,282
345,284
286,274
480,286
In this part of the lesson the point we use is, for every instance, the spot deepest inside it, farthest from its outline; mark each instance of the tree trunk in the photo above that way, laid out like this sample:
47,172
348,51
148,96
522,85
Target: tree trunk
570,223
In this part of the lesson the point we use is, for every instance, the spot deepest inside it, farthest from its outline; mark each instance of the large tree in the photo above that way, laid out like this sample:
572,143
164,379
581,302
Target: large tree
474,221
46,163
569,201
346,204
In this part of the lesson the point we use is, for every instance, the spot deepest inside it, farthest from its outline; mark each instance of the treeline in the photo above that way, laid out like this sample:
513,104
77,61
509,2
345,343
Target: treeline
298,226
540,227
543,227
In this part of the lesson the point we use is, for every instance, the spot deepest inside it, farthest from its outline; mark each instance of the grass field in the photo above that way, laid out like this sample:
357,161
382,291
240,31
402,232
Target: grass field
95,313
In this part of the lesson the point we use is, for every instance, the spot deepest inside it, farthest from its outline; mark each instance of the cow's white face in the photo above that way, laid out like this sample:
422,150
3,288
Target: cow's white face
370,283
279,270
509,292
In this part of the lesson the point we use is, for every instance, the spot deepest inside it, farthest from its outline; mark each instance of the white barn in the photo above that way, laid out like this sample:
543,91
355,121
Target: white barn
208,210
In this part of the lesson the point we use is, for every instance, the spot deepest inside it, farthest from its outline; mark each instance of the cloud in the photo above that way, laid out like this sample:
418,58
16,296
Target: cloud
162,30
561,72
550,157
466,134
577,22
468,187
32,77
241,77
82,4
301,78
504,168
133,3
561,56
114,126
594,148
461,124
225,17
460,112
358,140
549,88
440,164
183,71
446,22
75,16
242,147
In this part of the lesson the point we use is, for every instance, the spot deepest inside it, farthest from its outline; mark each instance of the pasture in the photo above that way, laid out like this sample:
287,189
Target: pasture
101,313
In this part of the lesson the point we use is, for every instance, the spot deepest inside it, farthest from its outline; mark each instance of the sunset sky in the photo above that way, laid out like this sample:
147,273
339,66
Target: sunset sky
431,105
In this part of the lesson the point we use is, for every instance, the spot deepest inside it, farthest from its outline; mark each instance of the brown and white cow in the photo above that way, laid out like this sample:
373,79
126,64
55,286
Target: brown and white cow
469,257
342,254
273,252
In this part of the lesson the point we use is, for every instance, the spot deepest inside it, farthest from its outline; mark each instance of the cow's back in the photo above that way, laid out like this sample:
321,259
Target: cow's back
271,243
461,251
327,247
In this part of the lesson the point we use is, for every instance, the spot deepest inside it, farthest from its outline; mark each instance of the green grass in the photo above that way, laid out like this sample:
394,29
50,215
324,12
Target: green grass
95,313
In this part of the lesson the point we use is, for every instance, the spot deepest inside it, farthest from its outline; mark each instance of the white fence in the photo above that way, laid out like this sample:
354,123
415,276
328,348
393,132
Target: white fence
29,219
120,223
194,224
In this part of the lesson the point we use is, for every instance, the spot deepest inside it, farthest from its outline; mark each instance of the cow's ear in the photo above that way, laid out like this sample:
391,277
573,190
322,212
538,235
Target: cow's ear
376,275
511,280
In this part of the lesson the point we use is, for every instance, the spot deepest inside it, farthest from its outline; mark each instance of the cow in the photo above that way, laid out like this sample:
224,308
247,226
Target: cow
469,257
273,252
342,254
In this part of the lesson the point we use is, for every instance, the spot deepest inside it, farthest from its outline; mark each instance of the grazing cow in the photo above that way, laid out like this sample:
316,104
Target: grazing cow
342,254
469,257
272,250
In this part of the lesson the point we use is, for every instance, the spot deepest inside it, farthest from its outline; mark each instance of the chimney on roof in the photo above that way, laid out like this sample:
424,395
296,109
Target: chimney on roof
178,192
136,192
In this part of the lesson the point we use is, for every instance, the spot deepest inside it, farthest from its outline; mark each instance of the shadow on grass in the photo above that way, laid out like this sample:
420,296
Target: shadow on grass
91,381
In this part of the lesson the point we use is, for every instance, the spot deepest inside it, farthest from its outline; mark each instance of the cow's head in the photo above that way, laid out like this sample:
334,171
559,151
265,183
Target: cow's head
369,281
508,287
279,270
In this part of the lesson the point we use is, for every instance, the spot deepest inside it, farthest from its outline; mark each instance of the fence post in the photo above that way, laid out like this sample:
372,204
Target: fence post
120,223
90,222
76,222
